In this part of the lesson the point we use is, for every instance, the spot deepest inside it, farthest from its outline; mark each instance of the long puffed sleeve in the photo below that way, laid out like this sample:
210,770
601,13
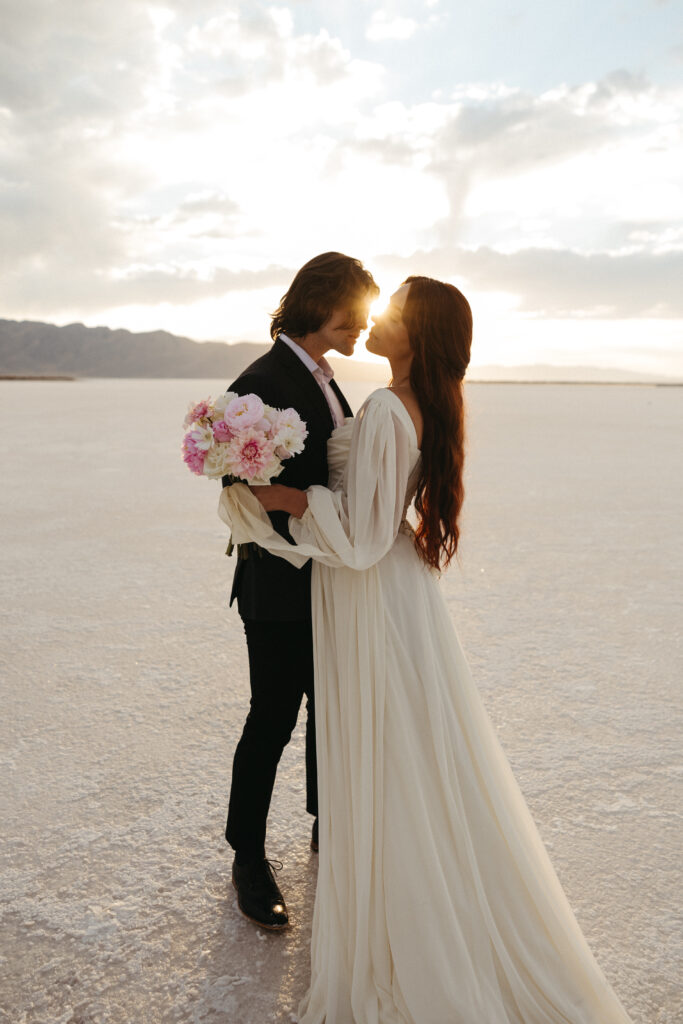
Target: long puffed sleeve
356,525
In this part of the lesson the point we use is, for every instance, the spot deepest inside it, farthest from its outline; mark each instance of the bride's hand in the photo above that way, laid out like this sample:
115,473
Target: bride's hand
278,498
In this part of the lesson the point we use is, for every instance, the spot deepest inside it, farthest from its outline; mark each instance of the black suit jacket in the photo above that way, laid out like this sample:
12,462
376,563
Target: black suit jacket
268,587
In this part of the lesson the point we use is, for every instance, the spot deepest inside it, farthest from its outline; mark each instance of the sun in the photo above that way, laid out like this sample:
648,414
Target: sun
387,286
378,306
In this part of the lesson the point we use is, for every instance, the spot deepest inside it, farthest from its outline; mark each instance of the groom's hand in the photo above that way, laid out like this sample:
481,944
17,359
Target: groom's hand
278,498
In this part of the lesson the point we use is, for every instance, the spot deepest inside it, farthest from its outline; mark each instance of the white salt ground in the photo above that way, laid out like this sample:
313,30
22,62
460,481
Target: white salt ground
124,687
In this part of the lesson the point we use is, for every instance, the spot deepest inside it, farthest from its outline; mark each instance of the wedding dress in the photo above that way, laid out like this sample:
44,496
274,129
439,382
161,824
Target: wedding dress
436,902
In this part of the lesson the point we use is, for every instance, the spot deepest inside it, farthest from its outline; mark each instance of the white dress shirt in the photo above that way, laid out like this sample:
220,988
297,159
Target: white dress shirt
323,373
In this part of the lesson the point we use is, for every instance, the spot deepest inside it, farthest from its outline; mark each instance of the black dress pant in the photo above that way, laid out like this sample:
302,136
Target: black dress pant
280,673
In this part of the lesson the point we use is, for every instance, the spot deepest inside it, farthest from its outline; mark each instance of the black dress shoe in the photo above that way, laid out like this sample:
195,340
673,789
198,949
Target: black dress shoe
314,836
258,896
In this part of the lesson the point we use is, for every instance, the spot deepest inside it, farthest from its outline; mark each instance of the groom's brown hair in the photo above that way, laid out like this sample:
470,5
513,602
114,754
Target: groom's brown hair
325,283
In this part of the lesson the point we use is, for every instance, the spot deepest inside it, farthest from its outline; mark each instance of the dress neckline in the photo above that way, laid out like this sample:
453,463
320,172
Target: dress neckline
406,414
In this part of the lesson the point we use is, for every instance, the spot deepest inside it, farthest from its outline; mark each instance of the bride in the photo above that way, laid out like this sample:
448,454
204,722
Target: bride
436,902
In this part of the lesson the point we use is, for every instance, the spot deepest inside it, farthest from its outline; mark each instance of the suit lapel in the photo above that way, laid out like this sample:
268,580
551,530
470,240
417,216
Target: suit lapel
342,398
305,383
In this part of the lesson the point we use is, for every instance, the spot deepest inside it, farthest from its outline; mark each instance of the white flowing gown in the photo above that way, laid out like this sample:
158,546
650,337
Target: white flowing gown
436,902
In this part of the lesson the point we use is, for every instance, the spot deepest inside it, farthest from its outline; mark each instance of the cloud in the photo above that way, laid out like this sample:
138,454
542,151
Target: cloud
500,131
560,283
240,51
559,168
80,65
207,202
180,156
122,151
42,293
384,26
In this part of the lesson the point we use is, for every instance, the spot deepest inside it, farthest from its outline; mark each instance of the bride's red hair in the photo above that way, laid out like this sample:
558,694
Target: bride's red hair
438,319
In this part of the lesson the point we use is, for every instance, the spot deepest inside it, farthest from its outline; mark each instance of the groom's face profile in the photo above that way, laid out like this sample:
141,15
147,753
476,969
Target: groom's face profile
342,329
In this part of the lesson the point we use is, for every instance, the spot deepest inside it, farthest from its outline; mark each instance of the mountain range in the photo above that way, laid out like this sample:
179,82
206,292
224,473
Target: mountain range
34,349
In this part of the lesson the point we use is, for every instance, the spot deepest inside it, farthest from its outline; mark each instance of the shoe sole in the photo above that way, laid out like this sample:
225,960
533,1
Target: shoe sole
268,927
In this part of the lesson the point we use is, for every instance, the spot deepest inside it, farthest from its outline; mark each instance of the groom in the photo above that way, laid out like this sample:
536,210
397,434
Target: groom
326,307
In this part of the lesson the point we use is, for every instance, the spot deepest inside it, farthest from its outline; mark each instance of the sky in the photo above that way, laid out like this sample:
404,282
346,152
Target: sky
171,165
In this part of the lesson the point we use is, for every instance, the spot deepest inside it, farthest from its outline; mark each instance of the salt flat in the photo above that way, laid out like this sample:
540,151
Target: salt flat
124,688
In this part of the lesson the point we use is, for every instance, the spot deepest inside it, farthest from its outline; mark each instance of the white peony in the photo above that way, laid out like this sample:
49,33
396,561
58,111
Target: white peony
217,462
289,438
270,415
290,418
221,402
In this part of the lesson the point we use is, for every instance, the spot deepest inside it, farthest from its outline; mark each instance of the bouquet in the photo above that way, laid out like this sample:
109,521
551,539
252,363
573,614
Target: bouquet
241,437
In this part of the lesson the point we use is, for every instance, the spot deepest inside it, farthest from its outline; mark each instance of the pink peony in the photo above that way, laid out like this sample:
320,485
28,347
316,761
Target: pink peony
222,432
263,425
250,454
243,412
193,456
197,411
201,409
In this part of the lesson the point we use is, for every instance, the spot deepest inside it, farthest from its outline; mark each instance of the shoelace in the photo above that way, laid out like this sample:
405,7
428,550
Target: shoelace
274,865
271,867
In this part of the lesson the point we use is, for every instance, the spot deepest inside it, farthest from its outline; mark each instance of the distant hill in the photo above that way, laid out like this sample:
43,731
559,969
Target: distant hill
33,349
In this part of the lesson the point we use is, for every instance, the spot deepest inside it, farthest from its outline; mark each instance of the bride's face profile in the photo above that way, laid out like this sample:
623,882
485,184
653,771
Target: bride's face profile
389,336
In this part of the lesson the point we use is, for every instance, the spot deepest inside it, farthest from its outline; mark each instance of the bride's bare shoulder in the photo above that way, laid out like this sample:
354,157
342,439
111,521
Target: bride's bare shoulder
405,393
